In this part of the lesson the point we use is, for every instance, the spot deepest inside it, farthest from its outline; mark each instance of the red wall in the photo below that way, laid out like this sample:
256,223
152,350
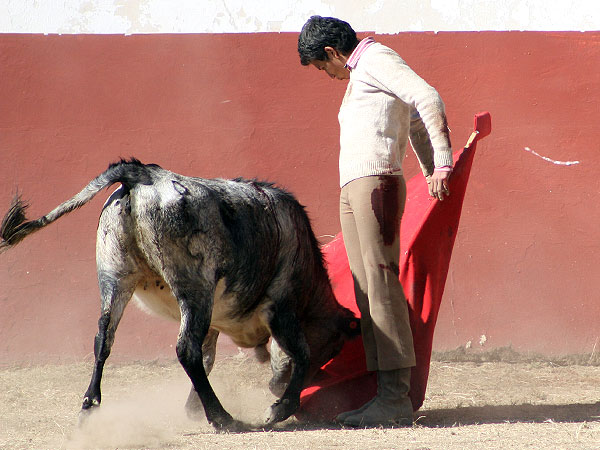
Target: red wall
525,270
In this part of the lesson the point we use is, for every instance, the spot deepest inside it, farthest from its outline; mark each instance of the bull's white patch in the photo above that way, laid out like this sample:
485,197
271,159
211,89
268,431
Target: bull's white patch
155,297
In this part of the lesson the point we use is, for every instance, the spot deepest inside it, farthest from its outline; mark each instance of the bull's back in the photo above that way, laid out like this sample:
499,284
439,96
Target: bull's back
254,236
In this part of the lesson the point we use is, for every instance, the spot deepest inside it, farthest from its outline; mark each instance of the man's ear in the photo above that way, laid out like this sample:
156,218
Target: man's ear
331,52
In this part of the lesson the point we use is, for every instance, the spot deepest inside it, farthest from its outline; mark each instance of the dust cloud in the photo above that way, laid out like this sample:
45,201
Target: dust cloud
149,413
487,403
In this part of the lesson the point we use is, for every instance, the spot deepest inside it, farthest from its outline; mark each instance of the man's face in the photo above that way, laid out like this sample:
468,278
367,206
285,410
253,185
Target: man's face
335,66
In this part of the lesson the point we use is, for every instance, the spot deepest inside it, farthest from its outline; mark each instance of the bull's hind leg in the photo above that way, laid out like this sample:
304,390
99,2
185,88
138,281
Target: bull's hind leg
116,293
195,302
117,279
193,406
285,329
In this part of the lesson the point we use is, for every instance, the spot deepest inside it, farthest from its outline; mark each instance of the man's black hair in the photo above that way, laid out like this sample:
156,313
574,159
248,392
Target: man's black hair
320,32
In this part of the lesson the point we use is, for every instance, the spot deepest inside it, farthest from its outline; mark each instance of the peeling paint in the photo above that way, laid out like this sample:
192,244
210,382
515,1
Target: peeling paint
545,158
237,16
375,7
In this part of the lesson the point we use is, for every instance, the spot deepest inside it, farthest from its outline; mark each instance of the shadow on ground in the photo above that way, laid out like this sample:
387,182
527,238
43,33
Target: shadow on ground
474,415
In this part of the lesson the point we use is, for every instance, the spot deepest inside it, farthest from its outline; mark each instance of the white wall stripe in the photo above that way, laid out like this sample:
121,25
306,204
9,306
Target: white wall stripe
253,16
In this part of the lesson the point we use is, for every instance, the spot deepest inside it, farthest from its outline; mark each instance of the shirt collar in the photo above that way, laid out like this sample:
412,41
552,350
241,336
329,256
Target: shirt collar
358,51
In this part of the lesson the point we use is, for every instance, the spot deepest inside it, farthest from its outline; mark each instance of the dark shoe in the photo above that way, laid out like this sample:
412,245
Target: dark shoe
343,416
383,413
391,406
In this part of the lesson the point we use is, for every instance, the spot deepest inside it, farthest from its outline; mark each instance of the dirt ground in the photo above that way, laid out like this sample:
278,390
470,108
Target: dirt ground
477,404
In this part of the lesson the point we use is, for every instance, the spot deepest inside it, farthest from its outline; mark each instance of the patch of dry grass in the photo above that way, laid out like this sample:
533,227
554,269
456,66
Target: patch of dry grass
509,355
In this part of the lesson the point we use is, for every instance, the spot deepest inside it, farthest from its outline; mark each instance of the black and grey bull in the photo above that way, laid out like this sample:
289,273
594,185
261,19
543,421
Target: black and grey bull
231,256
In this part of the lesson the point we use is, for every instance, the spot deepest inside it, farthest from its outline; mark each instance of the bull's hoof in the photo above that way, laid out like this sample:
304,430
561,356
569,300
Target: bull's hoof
90,402
221,421
235,426
84,414
262,354
195,414
277,387
281,410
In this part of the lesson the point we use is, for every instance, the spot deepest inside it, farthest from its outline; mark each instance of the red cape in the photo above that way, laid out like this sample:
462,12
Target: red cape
427,237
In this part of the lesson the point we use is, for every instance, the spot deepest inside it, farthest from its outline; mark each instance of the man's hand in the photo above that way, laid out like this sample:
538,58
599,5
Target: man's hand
438,184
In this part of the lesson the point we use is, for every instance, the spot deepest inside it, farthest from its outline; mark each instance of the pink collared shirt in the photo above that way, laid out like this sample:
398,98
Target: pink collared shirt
358,51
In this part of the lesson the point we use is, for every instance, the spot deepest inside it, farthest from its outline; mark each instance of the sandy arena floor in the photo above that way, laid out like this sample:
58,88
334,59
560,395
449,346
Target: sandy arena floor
469,405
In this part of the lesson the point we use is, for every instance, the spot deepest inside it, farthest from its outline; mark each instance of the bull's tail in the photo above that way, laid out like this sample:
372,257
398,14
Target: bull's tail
15,226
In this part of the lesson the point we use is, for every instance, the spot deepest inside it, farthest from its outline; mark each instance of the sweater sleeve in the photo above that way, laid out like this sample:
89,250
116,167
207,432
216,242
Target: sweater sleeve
393,75
421,144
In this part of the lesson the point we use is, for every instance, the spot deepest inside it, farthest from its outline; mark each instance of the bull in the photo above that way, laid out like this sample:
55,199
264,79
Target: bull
220,256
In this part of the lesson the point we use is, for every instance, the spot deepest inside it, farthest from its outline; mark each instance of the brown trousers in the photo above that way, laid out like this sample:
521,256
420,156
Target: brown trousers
370,212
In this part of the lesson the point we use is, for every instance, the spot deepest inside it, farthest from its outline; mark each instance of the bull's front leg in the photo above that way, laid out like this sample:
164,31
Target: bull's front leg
281,368
286,330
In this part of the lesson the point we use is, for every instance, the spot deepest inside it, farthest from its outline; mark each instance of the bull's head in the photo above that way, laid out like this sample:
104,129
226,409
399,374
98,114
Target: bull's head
325,336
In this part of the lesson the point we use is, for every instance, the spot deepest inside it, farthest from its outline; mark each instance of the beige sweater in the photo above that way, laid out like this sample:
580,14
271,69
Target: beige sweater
385,105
